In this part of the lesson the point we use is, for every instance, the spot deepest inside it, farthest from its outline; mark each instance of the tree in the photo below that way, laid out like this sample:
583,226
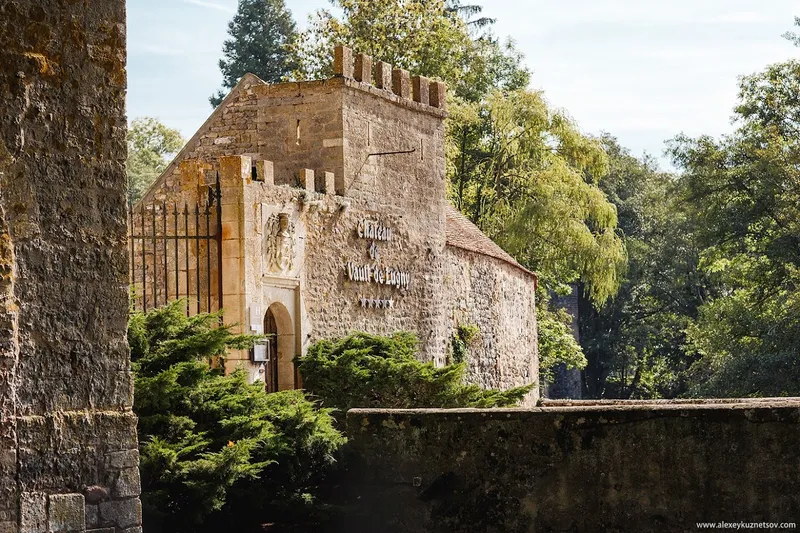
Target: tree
363,370
260,35
635,344
423,36
557,344
468,11
151,145
793,36
438,39
528,180
218,453
742,190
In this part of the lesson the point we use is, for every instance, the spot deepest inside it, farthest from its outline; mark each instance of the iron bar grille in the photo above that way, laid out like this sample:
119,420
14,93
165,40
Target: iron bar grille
176,252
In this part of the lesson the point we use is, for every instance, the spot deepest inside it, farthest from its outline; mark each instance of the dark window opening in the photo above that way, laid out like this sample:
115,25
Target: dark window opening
271,331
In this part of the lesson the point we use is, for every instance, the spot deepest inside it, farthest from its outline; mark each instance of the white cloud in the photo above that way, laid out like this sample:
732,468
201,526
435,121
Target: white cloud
211,5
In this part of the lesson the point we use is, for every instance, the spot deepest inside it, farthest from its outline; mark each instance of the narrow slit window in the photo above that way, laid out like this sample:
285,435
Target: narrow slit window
298,131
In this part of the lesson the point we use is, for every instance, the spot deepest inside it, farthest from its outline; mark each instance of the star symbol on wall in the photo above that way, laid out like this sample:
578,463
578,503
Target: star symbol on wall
376,303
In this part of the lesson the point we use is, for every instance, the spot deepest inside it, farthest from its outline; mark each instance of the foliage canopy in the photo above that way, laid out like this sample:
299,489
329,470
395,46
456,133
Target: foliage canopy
636,343
742,190
528,178
422,36
151,145
363,370
216,452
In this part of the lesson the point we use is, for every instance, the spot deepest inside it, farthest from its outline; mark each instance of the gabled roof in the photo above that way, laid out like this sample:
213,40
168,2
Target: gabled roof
461,233
247,81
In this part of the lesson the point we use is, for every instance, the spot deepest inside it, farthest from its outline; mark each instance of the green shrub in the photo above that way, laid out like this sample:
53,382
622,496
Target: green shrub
363,370
218,453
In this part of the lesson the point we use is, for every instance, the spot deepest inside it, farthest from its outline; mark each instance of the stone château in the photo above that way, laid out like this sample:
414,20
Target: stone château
334,218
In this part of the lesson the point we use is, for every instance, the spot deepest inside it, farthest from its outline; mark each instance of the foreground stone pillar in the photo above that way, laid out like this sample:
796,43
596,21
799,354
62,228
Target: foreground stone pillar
68,450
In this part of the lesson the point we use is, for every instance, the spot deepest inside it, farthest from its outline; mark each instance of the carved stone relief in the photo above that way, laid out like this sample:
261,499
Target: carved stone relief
279,244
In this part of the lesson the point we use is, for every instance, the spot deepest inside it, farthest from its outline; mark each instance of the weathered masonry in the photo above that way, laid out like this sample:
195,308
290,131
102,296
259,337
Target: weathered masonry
331,217
68,448
578,467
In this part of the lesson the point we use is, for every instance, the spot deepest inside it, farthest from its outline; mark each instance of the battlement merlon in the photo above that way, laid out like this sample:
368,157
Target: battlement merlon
367,122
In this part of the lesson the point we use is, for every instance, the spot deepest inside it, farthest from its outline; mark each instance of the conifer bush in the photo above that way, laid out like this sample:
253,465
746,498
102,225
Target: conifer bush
363,370
218,453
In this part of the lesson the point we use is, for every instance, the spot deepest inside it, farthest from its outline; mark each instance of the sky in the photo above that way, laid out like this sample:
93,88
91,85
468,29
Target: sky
641,70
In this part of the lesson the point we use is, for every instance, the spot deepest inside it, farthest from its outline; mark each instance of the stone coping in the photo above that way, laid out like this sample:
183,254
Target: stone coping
599,406
547,402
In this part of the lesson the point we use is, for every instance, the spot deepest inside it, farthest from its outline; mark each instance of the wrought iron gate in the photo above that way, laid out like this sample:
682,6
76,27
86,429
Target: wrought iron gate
171,254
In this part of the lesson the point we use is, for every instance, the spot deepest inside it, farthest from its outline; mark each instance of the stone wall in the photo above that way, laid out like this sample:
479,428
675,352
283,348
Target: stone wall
68,450
574,467
316,289
497,298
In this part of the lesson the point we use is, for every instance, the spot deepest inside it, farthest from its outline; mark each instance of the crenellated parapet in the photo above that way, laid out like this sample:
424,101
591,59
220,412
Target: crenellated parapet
395,81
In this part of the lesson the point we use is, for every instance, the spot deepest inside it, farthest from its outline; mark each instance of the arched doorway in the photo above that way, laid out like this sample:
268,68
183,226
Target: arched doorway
280,371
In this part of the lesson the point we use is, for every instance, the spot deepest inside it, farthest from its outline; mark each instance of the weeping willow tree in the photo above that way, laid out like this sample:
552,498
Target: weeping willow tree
528,178
525,174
